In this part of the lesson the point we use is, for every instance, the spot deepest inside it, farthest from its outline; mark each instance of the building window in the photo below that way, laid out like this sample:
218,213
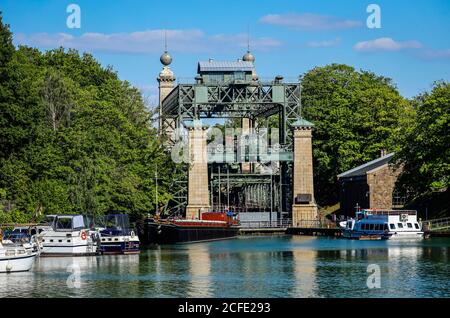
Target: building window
240,76
416,225
409,225
392,225
400,226
216,78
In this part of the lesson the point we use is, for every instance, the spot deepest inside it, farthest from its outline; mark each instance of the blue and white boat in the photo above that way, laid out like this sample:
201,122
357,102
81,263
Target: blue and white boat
382,224
116,237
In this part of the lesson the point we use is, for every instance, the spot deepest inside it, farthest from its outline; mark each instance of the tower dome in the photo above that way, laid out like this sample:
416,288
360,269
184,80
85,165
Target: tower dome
165,58
248,57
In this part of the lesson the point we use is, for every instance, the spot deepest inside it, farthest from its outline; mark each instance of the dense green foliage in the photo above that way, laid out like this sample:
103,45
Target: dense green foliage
356,115
425,154
74,138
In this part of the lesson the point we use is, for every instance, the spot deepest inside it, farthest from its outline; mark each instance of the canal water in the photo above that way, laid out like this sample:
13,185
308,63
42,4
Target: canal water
278,266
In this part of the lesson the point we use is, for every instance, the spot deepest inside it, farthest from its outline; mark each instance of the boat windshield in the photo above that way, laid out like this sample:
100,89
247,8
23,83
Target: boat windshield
65,223
117,221
48,219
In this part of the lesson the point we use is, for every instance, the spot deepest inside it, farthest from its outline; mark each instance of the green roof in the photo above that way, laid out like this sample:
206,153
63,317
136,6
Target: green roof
196,123
301,122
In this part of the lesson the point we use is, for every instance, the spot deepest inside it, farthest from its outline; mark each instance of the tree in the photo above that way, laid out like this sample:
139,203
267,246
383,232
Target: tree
356,115
75,138
425,148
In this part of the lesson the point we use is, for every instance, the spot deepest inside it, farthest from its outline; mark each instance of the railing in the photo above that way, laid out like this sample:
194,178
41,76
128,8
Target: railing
263,80
391,212
437,224
266,224
321,223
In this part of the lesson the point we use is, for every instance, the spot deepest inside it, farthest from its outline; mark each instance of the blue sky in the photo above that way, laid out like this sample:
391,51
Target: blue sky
287,37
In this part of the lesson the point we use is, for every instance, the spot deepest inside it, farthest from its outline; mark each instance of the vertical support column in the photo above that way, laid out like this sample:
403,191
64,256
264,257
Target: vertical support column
246,166
198,195
304,208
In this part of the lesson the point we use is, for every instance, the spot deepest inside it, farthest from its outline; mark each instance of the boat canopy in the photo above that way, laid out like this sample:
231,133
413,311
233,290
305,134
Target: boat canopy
69,222
117,221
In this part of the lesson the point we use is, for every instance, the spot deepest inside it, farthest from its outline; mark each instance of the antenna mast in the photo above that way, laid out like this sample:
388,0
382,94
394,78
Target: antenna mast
248,37
165,40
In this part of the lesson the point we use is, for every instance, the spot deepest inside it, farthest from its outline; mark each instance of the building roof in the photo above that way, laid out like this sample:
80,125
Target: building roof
363,169
301,122
225,66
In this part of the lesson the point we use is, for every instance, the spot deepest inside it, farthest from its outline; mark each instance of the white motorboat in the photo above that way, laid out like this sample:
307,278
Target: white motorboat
16,258
385,224
68,236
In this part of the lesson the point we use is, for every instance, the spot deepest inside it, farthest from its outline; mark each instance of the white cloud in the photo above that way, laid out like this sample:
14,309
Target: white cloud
148,41
430,54
309,21
240,41
386,44
326,43
150,93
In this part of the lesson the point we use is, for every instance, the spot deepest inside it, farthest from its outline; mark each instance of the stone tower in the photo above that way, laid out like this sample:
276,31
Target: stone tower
166,80
198,193
304,208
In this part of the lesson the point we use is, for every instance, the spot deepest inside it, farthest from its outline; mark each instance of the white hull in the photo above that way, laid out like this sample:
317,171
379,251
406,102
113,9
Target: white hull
68,250
67,243
16,263
407,235
390,235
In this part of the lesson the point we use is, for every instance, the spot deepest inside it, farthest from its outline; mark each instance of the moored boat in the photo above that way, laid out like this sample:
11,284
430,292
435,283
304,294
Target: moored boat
68,236
383,224
16,258
210,226
117,237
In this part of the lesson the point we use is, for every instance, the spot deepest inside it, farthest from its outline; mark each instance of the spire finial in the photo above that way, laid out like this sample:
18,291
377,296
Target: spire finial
248,37
165,58
248,57
165,40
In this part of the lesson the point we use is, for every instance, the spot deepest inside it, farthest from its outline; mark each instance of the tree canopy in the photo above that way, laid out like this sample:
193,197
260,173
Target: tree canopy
74,137
356,115
425,150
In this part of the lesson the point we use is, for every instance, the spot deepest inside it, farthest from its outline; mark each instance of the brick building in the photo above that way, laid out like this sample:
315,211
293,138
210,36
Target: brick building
371,185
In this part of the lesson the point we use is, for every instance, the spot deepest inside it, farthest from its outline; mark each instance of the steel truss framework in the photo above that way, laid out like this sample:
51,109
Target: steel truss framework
254,100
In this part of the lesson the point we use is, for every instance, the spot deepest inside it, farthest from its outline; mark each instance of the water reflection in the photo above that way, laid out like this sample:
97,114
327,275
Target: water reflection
200,270
304,263
246,267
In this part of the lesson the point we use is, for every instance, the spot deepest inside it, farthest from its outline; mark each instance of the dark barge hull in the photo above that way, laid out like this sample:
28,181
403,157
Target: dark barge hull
157,233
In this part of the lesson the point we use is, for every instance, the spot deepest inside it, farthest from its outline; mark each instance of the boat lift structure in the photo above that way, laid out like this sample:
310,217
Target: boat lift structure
236,175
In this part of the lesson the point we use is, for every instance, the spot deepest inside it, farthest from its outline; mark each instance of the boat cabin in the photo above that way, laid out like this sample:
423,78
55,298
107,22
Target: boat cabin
116,224
384,220
69,223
